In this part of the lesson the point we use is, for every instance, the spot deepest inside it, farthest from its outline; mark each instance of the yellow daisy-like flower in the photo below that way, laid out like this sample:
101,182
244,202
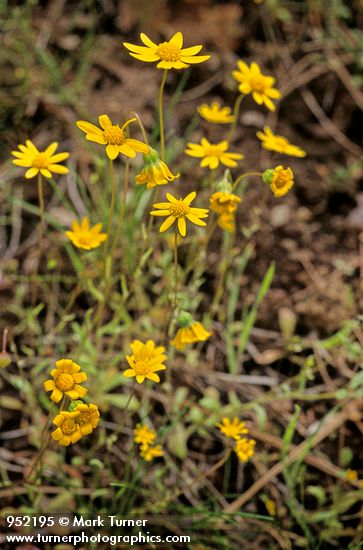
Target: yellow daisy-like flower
213,154
149,453
252,81
44,162
114,137
143,435
66,380
351,475
191,332
171,54
227,222
279,179
232,428
145,361
223,202
215,113
280,144
68,431
84,236
88,418
155,171
179,209
245,449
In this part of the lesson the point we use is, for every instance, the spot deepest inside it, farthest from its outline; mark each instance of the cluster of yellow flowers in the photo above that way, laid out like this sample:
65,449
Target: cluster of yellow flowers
145,437
81,419
147,359
236,430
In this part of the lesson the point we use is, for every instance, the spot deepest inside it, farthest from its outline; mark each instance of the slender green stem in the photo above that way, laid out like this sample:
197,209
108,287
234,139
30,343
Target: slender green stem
123,206
142,127
175,297
41,206
246,175
124,191
112,203
128,402
236,109
107,265
224,266
161,115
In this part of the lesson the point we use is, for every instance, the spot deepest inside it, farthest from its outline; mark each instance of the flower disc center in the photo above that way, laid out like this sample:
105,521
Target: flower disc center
142,368
65,382
68,426
258,84
179,209
114,135
40,161
169,52
213,151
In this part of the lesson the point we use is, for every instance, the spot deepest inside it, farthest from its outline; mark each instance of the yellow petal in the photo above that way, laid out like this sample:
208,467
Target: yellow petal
31,173
177,40
104,121
167,223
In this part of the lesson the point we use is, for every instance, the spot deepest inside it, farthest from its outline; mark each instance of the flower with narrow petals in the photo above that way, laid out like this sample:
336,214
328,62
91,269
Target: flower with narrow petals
66,380
279,179
223,202
155,171
84,236
170,55
232,428
149,453
143,435
191,331
215,113
213,154
227,222
179,209
252,81
245,449
280,144
88,418
43,162
68,431
145,361
114,137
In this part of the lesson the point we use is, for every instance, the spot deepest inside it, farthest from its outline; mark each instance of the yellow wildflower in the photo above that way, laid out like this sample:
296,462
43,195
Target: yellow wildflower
213,154
84,236
279,179
351,475
170,55
227,222
143,435
88,417
145,361
223,202
68,431
215,113
66,380
232,428
252,81
245,449
44,162
191,331
114,137
148,453
270,507
280,144
155,171
179,209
